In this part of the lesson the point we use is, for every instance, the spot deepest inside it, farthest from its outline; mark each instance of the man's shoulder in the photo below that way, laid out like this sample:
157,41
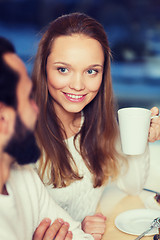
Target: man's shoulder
25,171
18,168
25,178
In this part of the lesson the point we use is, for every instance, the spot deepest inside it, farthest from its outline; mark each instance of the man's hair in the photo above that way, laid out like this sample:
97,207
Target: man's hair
8,77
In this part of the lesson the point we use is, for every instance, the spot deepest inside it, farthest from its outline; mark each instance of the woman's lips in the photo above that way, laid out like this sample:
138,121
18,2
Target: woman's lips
74,97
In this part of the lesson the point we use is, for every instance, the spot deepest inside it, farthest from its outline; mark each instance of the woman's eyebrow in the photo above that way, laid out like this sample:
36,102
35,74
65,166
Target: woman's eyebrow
95,65
63,63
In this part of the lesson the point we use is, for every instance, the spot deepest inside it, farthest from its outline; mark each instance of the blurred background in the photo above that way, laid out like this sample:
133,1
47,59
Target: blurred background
133,29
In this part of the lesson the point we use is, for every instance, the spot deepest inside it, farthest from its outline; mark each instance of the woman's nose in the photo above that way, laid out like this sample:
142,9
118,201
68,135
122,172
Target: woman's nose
77,82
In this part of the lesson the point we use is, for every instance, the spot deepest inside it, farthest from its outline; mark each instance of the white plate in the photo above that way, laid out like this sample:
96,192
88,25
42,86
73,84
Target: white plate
137,221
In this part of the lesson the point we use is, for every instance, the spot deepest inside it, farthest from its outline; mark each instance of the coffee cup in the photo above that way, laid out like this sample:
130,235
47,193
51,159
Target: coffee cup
134,126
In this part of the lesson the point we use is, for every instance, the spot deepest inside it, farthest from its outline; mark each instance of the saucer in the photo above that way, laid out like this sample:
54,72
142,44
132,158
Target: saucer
137,221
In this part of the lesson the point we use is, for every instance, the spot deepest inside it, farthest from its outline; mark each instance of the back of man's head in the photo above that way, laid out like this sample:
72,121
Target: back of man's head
8,77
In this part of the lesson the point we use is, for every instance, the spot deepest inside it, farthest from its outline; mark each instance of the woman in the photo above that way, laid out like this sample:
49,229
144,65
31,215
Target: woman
77,127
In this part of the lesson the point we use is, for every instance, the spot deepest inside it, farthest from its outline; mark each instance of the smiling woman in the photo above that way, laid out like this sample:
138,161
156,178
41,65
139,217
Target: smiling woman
77,128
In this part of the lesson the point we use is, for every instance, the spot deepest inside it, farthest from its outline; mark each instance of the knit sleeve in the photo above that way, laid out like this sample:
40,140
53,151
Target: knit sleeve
133,178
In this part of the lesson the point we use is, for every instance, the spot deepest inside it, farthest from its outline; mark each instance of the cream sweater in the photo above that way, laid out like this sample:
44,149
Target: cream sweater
27,204
80,199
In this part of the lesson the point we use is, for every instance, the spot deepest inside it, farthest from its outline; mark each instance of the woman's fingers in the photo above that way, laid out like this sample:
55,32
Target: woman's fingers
95,225
154,131
155,111
97,236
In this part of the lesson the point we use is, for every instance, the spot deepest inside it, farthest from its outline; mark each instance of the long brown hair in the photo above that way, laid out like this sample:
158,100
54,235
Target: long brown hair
99,130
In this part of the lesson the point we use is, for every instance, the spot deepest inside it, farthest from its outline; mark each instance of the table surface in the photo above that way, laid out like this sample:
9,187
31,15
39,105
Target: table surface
126,203
114,201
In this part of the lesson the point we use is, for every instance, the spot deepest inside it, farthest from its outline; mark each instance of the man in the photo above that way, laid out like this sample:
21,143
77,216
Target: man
24,201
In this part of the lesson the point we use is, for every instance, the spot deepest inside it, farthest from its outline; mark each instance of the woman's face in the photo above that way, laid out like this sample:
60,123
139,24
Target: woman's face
74,72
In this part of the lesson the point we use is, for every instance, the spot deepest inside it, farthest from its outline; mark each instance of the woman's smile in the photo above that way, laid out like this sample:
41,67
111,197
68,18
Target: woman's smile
74,97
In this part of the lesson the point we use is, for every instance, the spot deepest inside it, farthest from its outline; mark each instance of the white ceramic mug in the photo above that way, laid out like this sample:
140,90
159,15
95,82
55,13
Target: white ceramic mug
134,126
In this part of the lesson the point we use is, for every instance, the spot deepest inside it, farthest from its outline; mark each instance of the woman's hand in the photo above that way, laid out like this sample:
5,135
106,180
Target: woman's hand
58,230
154,131
94,225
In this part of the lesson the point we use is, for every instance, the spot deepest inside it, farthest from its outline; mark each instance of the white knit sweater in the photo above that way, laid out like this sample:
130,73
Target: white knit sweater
80,199
27,204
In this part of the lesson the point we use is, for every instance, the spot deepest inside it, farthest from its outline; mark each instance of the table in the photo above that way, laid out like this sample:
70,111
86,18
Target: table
114,201
127,203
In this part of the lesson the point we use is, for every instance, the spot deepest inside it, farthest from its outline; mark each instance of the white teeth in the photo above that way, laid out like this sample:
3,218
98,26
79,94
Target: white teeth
74,96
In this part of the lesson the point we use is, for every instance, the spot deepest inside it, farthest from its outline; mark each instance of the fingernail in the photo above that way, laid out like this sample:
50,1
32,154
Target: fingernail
47,220
66,223
60,220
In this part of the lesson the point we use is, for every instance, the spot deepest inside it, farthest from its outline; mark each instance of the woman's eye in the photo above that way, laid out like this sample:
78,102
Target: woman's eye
62,70
92,72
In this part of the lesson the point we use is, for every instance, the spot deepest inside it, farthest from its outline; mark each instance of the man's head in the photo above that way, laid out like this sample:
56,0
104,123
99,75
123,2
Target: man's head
18,111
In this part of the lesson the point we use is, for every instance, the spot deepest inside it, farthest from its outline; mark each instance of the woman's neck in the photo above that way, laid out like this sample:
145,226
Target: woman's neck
71,124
